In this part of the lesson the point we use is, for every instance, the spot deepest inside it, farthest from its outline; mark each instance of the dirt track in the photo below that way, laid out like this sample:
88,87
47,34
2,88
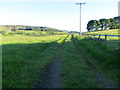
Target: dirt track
51,78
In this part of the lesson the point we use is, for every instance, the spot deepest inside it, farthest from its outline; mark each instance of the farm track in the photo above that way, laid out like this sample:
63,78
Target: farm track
51,78
97,74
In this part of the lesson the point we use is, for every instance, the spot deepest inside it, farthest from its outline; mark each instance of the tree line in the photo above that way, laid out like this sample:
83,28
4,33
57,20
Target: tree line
104,24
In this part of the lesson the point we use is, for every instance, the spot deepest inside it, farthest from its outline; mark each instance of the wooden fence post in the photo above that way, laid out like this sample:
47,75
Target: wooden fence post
94,37
99,38
105,40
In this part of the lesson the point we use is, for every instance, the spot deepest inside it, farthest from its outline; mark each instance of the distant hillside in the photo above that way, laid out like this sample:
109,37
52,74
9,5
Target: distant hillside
7,30
106,32
23,27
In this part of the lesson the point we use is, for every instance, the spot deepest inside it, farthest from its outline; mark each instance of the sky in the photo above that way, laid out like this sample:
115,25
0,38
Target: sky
60,14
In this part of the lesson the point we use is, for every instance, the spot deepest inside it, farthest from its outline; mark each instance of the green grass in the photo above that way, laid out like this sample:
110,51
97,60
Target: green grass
112,42
25,57
29,39
104,58
31,33
0,61
106,32
75,73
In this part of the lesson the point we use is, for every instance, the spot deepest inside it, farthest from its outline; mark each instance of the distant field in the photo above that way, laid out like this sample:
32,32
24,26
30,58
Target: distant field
31,33
17,39
106,32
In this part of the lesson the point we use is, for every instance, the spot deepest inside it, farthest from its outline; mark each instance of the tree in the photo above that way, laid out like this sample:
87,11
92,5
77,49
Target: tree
96,25
107,23
117,22
112,24
93,25
90,25
103,24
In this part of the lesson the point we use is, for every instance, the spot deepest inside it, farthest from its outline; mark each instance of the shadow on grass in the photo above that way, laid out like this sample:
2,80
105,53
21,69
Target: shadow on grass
22,63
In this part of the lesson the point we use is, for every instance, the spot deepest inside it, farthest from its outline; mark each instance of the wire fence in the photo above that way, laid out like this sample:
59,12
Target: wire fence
110,41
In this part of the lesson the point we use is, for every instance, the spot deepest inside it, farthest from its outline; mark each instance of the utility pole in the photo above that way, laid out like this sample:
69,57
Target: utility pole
80,13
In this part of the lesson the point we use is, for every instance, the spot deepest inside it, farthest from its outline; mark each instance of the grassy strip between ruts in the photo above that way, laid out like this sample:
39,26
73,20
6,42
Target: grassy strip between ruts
23,62
75,71
104,58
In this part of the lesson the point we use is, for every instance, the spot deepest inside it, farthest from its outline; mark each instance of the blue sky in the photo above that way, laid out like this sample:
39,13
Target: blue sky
61,14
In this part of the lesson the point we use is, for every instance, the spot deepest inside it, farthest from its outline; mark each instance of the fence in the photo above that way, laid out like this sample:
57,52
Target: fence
109,40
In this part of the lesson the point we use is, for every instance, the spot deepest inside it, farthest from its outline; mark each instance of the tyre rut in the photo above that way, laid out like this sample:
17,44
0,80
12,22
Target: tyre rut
51,78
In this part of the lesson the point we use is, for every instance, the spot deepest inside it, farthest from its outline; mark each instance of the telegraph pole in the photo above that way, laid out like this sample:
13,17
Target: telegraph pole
80,13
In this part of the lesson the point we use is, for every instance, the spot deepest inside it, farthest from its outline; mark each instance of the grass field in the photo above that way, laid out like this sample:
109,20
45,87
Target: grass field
31,33
0,61
76,73
105,58
24,57
18,39
112,42
106,32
